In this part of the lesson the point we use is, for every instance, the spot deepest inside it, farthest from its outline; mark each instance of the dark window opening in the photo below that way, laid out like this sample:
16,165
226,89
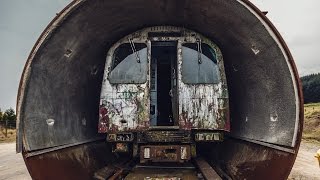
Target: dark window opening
206,50
199,67
129,65
163,98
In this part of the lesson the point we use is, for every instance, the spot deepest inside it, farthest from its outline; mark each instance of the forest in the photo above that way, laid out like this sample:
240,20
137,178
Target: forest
311,88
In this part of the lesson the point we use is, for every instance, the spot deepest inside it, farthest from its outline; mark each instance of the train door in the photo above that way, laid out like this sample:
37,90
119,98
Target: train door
124,103
201,105
163,92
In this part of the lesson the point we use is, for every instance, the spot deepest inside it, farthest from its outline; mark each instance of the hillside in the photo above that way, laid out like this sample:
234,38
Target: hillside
311,129
311,88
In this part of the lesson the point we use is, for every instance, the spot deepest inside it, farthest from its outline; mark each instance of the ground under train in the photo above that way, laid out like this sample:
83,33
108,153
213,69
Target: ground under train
164,90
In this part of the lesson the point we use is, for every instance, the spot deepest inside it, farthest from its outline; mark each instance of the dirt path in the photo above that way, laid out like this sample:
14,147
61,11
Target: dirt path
12,166
306,167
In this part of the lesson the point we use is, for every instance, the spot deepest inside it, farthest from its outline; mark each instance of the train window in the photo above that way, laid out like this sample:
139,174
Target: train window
199,64
129,64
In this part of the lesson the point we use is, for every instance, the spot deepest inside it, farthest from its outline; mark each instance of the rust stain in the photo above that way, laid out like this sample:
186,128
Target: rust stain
103,120
127,105
165,153
200,106
203,106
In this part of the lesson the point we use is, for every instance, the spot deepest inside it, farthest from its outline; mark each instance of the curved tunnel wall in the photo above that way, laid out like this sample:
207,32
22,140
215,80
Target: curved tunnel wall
59,92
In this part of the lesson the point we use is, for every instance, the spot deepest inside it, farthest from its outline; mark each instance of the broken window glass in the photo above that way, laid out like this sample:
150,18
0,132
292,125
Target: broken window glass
129,65
199,67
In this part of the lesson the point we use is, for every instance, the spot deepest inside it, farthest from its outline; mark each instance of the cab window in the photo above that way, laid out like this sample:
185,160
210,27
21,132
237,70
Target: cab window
199,64
129,64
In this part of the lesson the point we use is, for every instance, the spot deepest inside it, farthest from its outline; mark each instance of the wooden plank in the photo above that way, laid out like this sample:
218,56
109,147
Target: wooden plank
207,171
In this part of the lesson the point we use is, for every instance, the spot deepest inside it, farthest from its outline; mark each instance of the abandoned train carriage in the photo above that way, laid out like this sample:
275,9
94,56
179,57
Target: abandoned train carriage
163,85
161,112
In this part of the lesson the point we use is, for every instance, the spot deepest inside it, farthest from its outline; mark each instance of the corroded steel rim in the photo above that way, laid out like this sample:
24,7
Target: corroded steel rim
76,3
251,5
295,72
24,76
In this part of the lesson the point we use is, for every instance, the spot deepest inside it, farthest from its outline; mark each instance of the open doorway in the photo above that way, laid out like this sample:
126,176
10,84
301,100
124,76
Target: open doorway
163,84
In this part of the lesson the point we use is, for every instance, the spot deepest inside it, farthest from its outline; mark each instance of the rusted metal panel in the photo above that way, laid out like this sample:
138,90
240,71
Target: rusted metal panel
124,107
205,111
246,160
165,153
165,136
78,162
208,137
203,106
120,137
91,35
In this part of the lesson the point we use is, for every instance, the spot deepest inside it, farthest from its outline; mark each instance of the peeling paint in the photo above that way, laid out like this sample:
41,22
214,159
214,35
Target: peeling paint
203,106
126,107
123,108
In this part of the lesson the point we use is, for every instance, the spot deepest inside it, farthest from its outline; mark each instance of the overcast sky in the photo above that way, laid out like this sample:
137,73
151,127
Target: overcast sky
22,21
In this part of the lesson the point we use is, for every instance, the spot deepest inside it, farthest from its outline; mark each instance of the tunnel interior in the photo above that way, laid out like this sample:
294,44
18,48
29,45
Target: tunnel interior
58,100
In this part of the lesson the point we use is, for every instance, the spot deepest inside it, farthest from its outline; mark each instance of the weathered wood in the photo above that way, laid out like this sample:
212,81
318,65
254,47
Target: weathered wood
207,171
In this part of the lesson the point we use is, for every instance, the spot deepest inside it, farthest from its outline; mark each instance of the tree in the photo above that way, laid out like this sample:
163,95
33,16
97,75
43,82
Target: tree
1,114
10,117
311,88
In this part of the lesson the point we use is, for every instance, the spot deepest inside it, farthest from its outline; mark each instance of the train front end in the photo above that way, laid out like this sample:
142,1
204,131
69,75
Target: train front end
164,91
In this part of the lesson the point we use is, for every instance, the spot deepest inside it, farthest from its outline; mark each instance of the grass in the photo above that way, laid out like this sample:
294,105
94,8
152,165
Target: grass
10,138
311,128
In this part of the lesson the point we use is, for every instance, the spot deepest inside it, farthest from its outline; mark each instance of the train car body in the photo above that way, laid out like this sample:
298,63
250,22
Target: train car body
164,80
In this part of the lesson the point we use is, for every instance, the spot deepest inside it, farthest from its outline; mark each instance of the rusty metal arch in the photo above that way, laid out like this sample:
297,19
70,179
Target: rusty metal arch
63,75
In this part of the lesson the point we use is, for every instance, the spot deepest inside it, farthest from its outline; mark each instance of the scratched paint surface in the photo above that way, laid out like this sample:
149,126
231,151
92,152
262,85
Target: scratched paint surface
125,107
203,106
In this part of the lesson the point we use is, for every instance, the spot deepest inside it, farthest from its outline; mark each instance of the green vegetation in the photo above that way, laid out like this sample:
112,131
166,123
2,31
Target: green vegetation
311,92
7,125
311,88
311,129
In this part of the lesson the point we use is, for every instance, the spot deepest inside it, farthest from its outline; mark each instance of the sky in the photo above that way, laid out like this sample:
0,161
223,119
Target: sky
22,21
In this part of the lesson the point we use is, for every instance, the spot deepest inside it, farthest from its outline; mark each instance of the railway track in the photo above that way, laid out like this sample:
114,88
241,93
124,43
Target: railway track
198,169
